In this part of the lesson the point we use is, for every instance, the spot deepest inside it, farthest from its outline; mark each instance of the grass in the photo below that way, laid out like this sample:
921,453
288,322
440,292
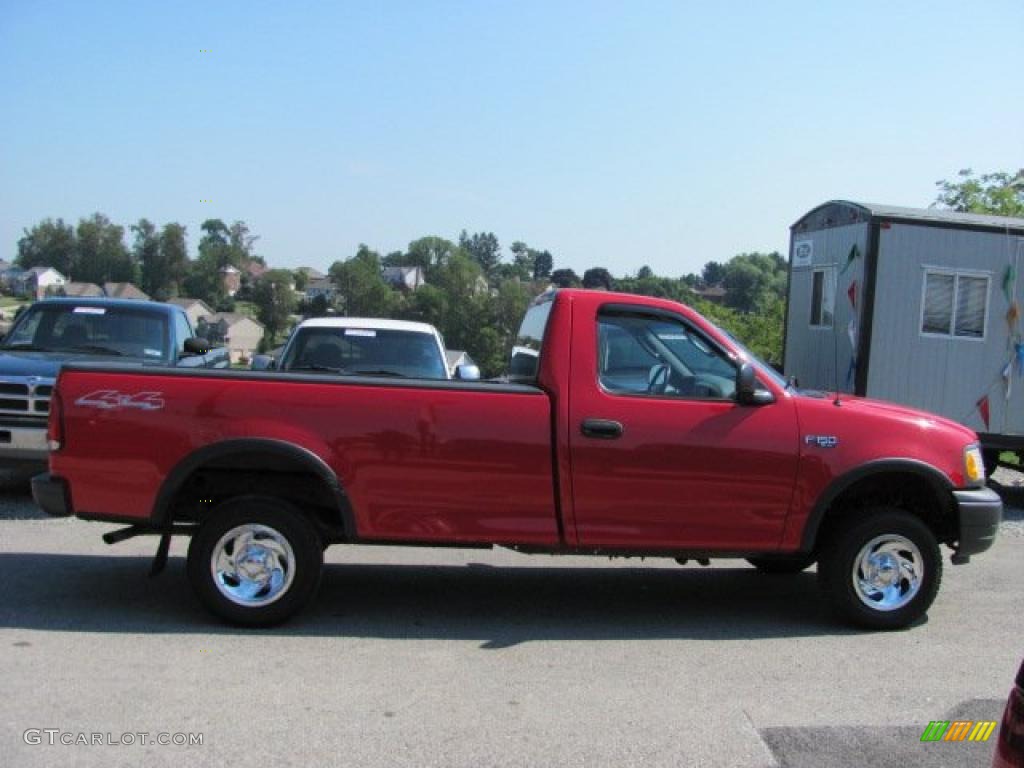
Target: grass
246,308
1009,457
7,302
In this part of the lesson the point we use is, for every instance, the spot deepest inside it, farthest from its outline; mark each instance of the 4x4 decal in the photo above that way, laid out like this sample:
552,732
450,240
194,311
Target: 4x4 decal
111,399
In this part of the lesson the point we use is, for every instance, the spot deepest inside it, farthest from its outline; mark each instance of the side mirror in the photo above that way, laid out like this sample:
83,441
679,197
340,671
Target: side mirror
263,363
747,392
467,372
197,346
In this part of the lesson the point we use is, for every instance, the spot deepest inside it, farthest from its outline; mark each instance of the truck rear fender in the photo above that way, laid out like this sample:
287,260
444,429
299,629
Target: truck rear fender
255,465
913,485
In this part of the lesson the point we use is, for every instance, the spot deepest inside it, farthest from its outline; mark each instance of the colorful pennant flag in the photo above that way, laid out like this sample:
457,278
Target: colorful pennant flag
983,409
852,293
1019,353
1009,278
1008,379
850,258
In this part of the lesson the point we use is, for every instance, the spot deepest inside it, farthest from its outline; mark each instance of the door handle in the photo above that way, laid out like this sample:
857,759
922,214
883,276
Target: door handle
602,429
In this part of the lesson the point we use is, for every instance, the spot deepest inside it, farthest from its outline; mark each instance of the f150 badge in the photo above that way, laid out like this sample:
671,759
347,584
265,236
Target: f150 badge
111,399
822,441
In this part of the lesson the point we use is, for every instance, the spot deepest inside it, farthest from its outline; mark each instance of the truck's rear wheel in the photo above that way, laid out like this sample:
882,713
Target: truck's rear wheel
881,569
255,561
782,564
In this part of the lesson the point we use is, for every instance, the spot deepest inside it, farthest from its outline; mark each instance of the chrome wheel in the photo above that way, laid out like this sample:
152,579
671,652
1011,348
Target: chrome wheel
252,565
887,572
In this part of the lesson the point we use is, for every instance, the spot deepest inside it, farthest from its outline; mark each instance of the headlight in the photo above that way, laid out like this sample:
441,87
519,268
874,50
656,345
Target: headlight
974,465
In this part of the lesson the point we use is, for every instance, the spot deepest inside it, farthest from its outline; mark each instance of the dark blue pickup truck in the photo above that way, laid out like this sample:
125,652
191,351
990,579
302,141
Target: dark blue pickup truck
56,331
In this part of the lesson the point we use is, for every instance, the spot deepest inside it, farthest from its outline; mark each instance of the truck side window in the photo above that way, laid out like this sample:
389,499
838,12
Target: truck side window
182,330
646,355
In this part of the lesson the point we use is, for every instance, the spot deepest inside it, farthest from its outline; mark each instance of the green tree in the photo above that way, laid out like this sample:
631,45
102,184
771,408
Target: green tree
274,300
431,253
48,244
565,278
999,194
751,279
484,249
543,263
102,255
162,257
362,290
598,277
713,273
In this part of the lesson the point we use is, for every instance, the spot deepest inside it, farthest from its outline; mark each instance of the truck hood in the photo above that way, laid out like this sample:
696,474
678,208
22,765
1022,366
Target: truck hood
861,407
45,364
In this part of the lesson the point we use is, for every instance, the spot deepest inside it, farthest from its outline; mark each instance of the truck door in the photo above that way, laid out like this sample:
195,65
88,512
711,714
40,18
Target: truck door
662,454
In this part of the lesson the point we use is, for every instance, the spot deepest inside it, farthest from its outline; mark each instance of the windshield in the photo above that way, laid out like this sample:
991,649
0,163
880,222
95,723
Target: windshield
367,351
119,331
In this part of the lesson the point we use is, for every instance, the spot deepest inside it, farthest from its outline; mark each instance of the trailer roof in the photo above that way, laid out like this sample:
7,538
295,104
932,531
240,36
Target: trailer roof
836,213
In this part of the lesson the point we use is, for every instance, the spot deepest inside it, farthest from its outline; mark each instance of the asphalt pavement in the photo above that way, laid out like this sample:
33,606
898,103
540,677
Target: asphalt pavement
422,657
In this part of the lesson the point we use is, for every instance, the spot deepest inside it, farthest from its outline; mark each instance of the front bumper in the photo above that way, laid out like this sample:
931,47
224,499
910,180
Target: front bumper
51,494
979,513
23,442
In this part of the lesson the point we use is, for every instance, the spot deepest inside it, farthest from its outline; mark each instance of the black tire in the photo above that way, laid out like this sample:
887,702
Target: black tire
842,552
278,522
778,565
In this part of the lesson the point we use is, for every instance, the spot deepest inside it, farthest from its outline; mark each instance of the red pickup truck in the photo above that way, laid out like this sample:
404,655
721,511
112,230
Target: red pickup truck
627,426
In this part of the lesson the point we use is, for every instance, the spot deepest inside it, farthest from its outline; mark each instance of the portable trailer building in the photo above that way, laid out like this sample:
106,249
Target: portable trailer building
916,306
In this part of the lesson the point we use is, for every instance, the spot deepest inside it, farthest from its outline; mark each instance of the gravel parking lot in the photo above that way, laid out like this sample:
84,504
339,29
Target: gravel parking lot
477,658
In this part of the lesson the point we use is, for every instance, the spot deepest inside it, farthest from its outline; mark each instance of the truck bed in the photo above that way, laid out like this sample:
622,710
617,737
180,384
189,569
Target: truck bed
419,460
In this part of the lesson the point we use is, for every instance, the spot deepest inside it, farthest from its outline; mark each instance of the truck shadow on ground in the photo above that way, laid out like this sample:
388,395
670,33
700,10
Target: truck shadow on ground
498,606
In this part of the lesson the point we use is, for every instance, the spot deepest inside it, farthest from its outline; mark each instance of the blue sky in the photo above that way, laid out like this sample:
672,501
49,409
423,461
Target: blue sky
612,134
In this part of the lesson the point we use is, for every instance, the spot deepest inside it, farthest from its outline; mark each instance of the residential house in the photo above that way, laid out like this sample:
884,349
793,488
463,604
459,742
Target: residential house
323,286
254,271
311,273
195,309
81,290
714,293
231,279
38,282
404,278
124,291
10,276
241,334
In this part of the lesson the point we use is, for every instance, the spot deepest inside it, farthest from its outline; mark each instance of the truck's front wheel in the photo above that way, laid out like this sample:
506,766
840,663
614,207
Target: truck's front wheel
881,569
255,561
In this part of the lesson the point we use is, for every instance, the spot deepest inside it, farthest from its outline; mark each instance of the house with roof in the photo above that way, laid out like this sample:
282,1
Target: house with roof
81,290
323,286
714,293
404,278
124,291
195,309
38,282
311,273
253,270
240,333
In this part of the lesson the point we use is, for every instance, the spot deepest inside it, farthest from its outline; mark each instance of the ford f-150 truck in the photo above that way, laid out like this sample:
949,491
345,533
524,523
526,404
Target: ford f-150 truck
53,332
627,426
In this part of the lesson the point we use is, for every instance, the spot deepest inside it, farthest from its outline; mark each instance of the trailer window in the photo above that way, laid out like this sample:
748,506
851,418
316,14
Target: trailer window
823,297
954,304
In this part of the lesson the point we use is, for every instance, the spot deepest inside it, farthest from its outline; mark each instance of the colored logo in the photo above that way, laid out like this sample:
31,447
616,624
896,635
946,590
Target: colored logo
958,730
